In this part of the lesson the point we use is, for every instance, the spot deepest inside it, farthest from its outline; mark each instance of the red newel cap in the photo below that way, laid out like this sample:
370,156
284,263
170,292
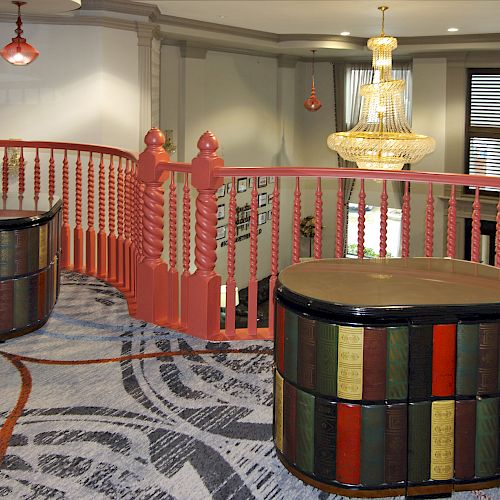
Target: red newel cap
208,144
154,138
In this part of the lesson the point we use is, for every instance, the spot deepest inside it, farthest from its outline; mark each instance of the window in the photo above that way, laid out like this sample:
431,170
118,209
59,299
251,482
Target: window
482,126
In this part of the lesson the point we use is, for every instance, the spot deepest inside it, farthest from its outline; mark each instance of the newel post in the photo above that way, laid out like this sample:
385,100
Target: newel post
152,273
204,283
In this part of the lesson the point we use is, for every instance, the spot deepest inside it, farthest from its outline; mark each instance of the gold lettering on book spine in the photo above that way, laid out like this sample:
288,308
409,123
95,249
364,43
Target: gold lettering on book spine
350,362
42,255
442,439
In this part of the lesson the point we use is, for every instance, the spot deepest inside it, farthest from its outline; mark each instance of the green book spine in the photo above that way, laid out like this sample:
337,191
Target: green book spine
467,357
372,445
420,370
327,337
486,437
419,442
305,431
291,344
33,249
397,363
7,253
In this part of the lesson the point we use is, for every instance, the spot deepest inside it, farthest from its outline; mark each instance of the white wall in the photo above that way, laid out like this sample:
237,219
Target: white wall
82,88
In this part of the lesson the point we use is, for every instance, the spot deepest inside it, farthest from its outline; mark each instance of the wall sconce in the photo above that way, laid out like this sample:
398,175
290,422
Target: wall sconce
19,52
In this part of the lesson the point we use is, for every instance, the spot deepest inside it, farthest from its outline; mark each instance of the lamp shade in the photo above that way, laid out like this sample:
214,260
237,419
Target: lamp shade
19,52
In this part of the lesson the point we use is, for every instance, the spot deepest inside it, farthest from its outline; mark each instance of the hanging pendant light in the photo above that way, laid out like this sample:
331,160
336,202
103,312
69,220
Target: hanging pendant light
382,139
312,103
19,51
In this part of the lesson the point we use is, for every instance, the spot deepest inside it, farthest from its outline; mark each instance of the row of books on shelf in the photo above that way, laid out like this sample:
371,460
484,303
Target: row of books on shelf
393,444
408,362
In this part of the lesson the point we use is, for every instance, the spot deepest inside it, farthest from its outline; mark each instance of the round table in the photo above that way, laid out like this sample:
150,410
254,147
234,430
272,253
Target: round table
387,375
29,270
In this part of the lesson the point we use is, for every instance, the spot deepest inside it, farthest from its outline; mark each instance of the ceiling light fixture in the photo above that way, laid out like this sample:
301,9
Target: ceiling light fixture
382,139
345,33
452,29
19,51
312,103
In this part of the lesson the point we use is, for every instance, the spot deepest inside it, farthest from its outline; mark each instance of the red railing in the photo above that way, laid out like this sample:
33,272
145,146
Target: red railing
126,248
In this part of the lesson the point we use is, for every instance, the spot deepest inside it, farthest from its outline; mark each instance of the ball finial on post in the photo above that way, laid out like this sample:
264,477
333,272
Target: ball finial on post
154,138
208,145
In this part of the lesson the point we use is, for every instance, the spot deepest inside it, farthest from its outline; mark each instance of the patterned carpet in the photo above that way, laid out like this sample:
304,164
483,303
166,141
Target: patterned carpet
97,405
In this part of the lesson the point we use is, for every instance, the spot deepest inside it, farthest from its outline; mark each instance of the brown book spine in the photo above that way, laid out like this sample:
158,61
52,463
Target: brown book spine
488,358
465,438
289,422
374,363
306,362
21,251
6,305
395,443
279,342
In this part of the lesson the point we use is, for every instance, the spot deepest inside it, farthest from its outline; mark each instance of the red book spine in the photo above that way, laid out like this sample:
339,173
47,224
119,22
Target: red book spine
374,363
443,359
348,443
279,348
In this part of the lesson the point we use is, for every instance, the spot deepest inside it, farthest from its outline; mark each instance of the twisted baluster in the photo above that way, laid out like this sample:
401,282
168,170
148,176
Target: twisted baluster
252,282
361,220
121,199
172,223
65,230
383,220
231,260
339,230
128,202
296,223
90,236
405,247
102,196
78,194
52,175
476,227
186,226
206,232
37,174
22,165
5,173
275,233
318,216
140,213
111,197
429,223
452,230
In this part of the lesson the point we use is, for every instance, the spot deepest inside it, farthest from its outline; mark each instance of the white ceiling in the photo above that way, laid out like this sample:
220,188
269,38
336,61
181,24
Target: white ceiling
40,6
405,18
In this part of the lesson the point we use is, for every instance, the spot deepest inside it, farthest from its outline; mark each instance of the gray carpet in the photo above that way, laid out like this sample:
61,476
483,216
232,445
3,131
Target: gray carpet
98,405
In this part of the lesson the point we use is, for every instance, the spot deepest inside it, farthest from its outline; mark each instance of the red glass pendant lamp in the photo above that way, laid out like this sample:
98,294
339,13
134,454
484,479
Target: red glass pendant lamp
19,51
312,103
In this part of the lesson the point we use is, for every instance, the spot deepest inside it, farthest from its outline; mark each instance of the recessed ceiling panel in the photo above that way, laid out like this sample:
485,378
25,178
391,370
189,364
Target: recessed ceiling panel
40,6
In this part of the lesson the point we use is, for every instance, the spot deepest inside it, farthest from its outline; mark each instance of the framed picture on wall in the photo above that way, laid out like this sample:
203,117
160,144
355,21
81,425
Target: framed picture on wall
221,233
242,185
262,218
221,211
229,185
262,182
250,182
269,215
271,180
221,191
270,198
262,199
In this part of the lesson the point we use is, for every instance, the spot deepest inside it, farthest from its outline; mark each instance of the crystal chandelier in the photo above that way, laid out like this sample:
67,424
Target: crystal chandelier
382,139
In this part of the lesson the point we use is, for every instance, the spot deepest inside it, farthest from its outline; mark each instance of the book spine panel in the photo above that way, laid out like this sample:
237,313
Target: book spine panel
7,252
467,358
278,410
465,438
397,362
350,367
325,438
442,439
43,244
289,420
42,284
443,359
487,380
305,431
32,303
33,239
372,445
419,442
306,367
326,358
486,437
420,377
374,363
6,305
21,299
279,342
348,443
291,345
396,438
21,251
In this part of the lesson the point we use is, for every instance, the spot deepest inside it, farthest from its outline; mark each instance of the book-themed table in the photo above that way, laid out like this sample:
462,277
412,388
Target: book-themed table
387,375
29,269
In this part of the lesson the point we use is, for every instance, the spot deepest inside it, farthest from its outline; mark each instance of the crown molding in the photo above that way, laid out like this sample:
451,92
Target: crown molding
123,7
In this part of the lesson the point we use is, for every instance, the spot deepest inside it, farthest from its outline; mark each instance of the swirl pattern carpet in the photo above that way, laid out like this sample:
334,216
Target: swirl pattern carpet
99,405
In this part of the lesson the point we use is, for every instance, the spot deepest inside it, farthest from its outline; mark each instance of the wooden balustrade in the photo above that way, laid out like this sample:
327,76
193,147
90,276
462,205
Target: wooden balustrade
124,229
